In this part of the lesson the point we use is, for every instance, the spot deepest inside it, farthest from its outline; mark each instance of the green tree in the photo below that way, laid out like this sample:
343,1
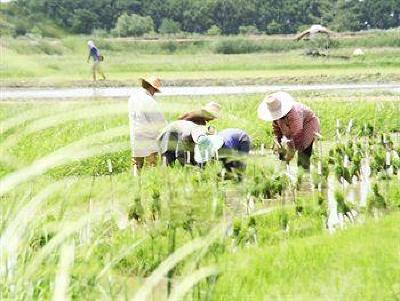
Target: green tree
133,25
84,21
169,26
214,30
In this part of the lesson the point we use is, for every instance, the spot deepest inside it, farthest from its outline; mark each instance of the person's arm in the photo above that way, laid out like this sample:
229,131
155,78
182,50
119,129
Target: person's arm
295,123
277,131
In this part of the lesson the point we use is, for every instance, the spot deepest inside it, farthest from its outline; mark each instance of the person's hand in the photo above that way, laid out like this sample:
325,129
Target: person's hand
276,147
289,154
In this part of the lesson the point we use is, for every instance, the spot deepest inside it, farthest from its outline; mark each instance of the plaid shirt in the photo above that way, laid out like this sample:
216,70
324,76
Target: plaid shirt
299,126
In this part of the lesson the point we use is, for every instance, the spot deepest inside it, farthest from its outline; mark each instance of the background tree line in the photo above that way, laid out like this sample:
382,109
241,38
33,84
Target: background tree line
135,17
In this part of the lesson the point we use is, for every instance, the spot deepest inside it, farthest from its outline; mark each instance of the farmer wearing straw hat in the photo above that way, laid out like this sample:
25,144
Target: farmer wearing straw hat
145,122
207,113
294,125
94,53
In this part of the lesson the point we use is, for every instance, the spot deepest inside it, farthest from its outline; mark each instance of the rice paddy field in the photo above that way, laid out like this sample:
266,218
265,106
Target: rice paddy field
75,223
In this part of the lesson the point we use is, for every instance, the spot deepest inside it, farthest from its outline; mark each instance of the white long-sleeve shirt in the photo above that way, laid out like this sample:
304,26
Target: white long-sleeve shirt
145,123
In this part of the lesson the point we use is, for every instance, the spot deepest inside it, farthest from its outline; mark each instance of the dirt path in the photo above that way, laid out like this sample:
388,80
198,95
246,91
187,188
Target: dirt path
22,93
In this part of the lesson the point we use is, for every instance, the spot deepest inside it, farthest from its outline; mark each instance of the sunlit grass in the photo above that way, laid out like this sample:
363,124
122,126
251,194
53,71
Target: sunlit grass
72,228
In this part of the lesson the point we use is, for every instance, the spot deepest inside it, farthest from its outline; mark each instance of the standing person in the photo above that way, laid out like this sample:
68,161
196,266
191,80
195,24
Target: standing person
94,53
145,122
207,113
235,149
294,125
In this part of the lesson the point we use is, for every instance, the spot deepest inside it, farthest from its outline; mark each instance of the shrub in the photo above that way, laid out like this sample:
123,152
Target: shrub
169,26
248,29
21,28
50,48
105,45
274,27
100,33
6,29
49,30
36,31
214,30
133,25
83,21
170,46
236,46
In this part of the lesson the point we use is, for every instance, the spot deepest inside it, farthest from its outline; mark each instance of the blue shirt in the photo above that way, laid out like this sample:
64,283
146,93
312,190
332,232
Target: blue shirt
234,139
94,53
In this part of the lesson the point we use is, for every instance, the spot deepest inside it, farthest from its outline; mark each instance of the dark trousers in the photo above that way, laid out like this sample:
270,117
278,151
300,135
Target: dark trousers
172,156
234,159
303,158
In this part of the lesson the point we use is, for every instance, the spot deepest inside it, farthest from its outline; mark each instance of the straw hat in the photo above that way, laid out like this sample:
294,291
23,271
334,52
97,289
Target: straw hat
275,106
212,108
206,147
153,81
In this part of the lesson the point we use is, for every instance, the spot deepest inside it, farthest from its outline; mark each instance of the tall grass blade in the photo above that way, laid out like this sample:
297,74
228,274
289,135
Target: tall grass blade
182,288
171,261
67,255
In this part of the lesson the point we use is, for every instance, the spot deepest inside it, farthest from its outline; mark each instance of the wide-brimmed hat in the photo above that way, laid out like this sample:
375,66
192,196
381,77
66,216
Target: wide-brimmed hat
275,106
212,109
153,81
207,147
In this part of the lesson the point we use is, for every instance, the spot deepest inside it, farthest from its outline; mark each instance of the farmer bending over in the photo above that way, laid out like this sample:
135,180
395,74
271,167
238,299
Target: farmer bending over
176,142
94,53
235,149
294,125
145,122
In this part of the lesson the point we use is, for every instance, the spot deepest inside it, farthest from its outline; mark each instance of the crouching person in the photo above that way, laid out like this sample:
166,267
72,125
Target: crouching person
234,151
176,143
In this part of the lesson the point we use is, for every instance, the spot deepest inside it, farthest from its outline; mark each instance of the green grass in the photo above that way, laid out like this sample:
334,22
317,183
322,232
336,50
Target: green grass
357,264
65,125
134,223
52,62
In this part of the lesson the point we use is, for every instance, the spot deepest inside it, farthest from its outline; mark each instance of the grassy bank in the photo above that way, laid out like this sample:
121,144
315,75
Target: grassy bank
62,62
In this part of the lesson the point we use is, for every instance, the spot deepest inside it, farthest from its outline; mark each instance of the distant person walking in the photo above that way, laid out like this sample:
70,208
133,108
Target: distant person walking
145,122
94,53
294,125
